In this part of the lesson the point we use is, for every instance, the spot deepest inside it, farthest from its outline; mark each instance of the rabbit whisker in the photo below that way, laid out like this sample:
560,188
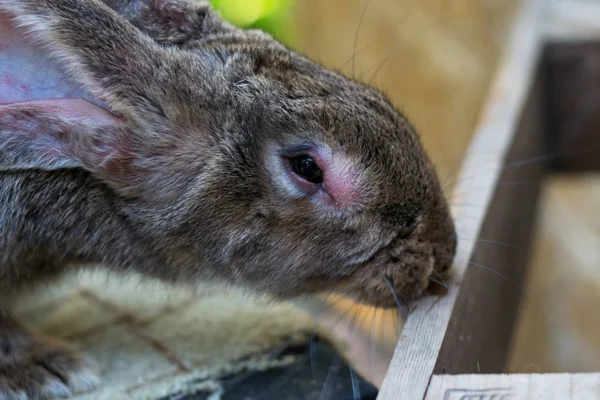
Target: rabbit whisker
401,307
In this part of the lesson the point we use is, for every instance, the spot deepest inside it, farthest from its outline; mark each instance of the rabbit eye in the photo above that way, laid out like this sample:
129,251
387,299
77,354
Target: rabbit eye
305,167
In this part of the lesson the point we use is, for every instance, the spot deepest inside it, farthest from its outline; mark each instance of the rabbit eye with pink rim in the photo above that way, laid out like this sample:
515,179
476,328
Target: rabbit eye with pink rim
306,168
324,176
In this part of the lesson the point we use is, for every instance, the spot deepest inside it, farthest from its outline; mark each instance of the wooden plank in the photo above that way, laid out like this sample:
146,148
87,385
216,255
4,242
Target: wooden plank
417,350
515,387
573,91
479,332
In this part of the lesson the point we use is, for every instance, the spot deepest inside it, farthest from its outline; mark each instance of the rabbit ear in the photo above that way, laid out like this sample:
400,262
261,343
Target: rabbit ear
65,133
119,64
108,56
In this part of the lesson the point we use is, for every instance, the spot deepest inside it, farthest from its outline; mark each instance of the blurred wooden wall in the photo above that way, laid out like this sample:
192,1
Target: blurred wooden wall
434,58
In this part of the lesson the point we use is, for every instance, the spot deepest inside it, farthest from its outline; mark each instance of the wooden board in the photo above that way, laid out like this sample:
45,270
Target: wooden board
515,387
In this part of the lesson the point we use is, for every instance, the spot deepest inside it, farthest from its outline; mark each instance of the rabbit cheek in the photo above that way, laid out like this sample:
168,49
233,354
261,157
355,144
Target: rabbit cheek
343,183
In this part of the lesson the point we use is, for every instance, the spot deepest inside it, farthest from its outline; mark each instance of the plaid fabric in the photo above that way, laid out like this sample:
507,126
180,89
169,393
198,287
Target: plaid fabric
153,342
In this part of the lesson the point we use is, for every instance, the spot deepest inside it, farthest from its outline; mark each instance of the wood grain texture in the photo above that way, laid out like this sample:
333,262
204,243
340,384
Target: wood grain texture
515,387
415,357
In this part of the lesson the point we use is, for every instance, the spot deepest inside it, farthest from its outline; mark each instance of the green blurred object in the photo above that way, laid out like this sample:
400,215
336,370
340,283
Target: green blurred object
272,16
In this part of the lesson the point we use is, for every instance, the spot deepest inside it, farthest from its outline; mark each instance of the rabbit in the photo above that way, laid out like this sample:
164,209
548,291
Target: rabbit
207,153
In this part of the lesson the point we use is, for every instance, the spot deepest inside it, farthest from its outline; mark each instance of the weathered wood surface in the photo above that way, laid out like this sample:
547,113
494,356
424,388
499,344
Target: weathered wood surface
515,387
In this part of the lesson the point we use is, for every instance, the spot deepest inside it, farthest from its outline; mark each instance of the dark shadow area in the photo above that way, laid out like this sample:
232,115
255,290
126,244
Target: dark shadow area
324,376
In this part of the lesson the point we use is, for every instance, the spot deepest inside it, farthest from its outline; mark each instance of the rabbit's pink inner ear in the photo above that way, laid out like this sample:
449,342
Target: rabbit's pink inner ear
26,73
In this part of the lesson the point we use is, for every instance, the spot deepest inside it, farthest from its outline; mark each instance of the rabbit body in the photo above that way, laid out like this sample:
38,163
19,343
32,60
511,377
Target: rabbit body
219,155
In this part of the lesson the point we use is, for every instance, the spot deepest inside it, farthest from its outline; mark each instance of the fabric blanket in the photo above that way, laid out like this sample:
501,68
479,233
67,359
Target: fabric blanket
154,342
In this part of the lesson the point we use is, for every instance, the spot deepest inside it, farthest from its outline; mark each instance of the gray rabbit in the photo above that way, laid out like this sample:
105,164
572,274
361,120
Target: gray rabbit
220,156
